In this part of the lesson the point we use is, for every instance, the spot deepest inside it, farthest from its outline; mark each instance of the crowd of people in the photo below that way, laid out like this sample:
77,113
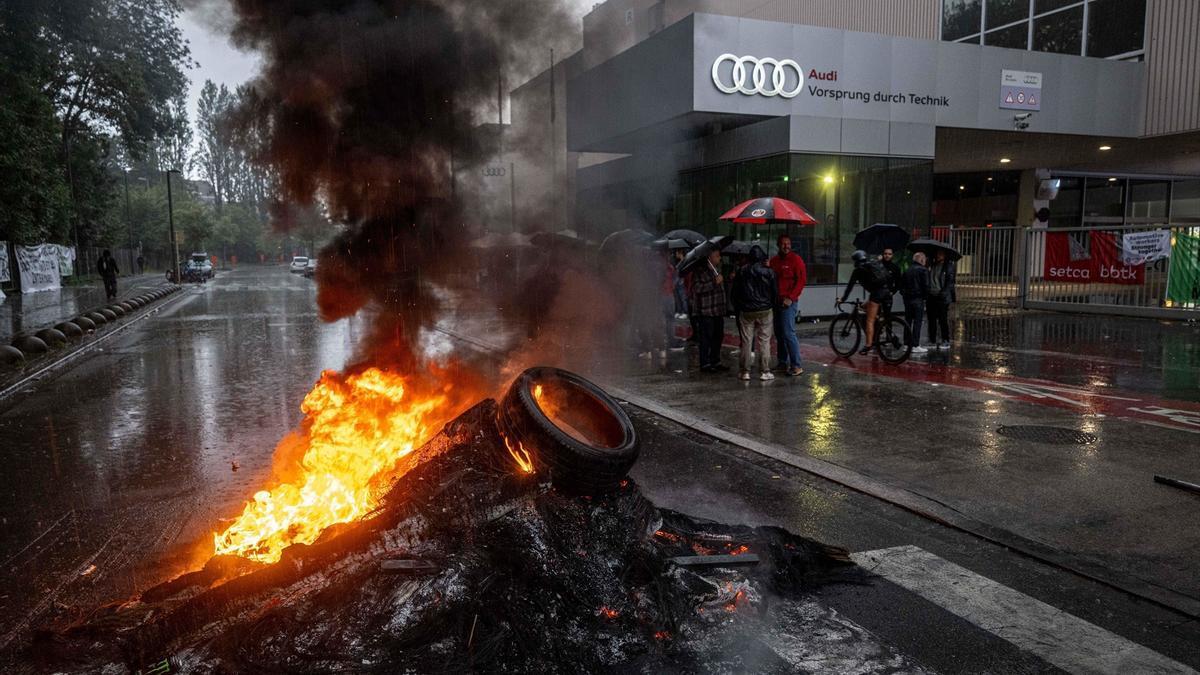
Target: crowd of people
763,293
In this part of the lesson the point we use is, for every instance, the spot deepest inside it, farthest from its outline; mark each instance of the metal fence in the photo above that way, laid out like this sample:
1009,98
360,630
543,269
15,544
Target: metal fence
1132,270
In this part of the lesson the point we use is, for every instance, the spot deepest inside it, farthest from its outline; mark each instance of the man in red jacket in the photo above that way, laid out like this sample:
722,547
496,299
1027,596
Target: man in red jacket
792,274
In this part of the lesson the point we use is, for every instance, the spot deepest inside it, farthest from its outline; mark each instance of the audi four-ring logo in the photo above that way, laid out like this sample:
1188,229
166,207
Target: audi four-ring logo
750,76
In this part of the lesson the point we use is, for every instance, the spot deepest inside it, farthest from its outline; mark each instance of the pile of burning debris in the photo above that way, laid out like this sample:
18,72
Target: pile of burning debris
511,542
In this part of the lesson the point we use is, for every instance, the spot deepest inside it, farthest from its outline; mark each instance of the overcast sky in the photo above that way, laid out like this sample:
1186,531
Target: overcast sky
220,62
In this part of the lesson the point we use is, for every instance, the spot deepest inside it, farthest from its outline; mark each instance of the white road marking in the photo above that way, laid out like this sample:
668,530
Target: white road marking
1059,638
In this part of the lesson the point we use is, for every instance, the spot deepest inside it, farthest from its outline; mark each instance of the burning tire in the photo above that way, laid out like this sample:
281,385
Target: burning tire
569,428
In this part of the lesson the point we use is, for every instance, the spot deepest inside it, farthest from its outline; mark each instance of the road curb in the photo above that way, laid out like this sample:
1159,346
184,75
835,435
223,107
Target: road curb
133,318
918,504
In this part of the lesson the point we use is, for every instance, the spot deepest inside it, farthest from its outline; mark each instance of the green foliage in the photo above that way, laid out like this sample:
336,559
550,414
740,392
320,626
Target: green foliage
88,86
33,187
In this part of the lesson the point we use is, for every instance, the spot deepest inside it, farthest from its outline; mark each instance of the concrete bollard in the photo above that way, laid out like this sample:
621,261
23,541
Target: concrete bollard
85,324
108,314
11,357
52,337
98,318
117,310
72,330
30,345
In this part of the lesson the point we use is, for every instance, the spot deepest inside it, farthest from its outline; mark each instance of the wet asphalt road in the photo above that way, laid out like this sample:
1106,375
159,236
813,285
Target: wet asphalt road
124,462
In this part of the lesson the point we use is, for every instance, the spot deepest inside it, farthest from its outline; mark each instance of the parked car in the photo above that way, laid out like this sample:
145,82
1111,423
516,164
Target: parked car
299,264
311,268
201,265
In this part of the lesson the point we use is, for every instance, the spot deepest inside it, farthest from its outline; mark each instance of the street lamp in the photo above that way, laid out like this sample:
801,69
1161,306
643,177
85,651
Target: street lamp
171,221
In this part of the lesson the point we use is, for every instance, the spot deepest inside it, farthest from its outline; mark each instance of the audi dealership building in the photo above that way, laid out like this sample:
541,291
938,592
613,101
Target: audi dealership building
923,113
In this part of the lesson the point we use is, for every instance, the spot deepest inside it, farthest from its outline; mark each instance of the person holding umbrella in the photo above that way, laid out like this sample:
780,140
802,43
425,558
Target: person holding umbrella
941,295
914,288
789,269
792,275
708,303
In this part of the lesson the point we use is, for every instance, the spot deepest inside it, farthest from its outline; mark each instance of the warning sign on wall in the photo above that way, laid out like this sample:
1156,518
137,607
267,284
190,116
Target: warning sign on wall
1020,90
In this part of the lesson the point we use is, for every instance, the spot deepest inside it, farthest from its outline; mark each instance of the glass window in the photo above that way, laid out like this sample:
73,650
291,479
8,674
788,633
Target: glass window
960,18
1001,12
814,186
1065,210
1105,198
1060,33
1013,37
1185,200
1049,5
1148,199
1116,27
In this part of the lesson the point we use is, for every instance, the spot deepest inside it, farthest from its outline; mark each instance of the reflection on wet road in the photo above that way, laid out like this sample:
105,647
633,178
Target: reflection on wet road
130,455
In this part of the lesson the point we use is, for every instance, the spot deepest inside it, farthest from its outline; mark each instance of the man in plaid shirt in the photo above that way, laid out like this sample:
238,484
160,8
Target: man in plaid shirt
708,301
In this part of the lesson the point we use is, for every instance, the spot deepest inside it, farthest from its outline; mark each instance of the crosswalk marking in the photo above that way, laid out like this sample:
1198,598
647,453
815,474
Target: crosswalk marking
1059,638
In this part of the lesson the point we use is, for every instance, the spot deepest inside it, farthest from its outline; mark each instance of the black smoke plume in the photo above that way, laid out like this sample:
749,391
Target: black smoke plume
370,107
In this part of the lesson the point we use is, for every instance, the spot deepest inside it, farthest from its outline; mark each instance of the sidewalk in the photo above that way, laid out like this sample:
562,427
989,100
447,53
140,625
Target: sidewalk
30,312
939,429
1156,358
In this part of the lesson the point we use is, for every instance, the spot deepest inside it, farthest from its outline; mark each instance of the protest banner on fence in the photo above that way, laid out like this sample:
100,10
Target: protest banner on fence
66,260
5,275
1138,248
38,268
1098,262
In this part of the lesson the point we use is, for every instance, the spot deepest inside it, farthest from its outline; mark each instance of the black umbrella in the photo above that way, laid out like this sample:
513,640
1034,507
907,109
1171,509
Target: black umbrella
558,241
930,247
692,237
701,253
678,245
624,241
880,236
737,248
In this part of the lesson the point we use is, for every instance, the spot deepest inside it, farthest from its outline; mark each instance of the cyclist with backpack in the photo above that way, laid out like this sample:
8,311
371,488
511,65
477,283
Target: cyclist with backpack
879,282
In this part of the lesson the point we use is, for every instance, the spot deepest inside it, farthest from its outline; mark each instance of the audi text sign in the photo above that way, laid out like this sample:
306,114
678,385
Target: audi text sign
765,76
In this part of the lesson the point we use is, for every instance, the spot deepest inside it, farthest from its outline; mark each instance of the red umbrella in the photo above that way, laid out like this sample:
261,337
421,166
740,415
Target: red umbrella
769,210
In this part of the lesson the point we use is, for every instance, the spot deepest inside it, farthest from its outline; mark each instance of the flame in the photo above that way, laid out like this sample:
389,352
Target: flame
520,454
356,428
608,612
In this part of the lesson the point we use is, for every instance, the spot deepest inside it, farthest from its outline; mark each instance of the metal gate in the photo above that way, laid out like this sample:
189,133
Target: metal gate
989,272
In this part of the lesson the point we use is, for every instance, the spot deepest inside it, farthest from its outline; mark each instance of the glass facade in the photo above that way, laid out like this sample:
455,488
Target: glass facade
1098,28
993,199
844,193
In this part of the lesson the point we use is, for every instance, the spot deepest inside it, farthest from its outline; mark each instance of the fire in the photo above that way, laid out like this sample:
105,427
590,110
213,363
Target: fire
520,454
608,613
356,428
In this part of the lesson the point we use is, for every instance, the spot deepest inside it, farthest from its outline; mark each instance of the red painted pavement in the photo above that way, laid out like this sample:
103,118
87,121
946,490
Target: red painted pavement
1181,415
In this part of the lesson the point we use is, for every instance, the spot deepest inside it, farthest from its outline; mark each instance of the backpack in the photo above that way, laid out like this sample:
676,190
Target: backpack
878,273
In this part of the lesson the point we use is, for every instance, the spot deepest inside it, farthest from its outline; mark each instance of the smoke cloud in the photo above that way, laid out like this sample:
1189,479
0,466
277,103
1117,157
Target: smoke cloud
371,108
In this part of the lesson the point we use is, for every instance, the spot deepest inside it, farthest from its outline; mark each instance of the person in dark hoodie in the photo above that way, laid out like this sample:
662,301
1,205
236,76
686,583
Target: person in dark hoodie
755,295
914,288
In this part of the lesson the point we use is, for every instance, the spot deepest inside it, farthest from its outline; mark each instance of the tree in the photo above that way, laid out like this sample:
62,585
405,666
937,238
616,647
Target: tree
217,155
81,81
172,147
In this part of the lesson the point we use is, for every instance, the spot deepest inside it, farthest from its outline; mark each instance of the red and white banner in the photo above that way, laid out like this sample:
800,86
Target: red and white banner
1088,257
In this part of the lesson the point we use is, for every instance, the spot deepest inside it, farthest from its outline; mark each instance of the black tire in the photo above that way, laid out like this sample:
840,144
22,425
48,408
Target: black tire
895,343
844,335
573,465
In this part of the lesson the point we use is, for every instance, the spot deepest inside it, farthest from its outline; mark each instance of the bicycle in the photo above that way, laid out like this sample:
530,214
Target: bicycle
893,335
